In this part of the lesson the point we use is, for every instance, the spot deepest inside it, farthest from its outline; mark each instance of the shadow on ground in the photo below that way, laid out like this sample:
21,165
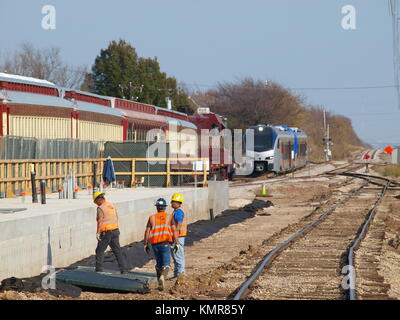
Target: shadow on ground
134,254
137,258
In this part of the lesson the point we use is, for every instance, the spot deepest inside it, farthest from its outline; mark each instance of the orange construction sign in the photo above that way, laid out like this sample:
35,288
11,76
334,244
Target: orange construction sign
388,149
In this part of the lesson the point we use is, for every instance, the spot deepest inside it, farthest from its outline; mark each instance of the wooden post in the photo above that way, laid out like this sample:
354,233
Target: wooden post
85,171
168,184
33,182
59,172
43,191
28,189
89,171
75,168
43,171
133,173
55,181
49,174
23,182
99,169
94,176
2,183
204,173
9,193
15,174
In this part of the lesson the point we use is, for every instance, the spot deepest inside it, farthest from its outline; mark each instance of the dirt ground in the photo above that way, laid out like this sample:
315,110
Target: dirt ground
215,247
389,261
212,246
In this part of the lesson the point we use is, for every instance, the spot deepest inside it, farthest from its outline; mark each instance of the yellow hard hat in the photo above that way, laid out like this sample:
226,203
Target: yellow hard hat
97,194
177,197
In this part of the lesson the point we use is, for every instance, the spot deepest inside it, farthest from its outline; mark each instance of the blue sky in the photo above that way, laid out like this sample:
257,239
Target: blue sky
300,44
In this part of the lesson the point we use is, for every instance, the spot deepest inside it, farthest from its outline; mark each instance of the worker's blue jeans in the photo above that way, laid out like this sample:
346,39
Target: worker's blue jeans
179,257
162,254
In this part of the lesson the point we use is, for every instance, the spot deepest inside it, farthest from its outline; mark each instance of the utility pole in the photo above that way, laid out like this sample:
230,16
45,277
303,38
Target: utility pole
130,88
197,105
327,141
394,12
169,102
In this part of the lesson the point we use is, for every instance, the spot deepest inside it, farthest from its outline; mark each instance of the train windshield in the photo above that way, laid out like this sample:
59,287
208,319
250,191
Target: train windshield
263,139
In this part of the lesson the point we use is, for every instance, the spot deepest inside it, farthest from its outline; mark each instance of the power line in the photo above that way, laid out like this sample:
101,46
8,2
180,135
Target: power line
310,88
347,88
197,85
372,114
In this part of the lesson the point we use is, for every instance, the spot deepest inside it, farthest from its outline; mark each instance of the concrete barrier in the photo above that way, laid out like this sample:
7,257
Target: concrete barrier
63,232
218,196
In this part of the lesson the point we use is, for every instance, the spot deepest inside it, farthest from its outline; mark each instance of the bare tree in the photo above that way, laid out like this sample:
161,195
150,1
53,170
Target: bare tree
43,64
251,102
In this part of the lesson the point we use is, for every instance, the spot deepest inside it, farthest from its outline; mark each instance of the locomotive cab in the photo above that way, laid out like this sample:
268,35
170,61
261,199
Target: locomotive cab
262,150
276,148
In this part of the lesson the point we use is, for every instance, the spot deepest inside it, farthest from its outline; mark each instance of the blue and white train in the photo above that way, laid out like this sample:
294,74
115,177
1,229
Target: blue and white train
277,149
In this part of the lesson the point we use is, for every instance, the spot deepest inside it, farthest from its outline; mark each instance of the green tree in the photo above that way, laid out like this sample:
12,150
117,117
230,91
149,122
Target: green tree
113,69
119,72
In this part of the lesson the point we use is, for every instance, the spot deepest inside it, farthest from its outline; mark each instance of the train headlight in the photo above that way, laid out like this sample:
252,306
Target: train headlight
260,129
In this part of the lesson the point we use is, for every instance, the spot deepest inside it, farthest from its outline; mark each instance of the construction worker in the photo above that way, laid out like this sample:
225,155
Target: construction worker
107,232
178,252
161,233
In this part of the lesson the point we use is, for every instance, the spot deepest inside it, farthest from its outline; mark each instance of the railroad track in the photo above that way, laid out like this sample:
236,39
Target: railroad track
270,178
258,180
317,262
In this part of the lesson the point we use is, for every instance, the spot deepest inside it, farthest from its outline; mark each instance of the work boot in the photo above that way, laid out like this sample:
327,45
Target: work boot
161,280
181,277
160,283
158,271
164,271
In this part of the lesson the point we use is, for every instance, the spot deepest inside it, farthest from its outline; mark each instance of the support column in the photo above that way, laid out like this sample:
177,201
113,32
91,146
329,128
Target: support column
4,130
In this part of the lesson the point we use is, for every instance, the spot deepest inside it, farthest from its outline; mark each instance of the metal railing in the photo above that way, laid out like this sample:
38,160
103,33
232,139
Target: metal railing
15,175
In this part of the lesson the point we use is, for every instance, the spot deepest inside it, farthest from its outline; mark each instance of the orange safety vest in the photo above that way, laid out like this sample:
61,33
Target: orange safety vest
183,230
109,219
161,227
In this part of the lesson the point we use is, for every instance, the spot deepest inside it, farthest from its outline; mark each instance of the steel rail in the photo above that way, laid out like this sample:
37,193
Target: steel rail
243,290
360,237
240,183
360,175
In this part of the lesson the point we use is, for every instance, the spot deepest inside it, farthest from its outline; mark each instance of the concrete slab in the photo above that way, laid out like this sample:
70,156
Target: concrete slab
63,231
84,200
109,279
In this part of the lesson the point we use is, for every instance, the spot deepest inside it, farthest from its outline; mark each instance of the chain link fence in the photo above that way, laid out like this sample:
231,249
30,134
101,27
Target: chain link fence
13,147
54,157
146,171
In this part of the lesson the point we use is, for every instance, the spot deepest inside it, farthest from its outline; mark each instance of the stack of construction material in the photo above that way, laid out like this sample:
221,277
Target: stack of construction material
69,186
